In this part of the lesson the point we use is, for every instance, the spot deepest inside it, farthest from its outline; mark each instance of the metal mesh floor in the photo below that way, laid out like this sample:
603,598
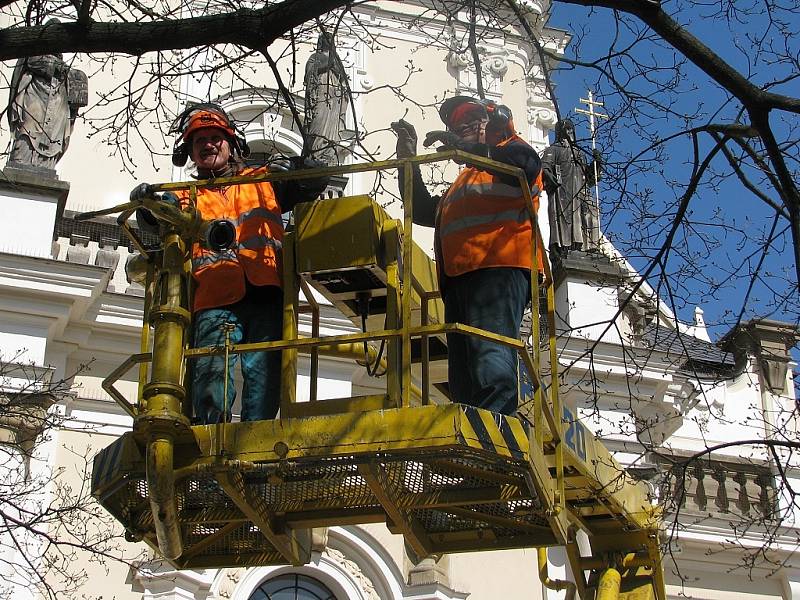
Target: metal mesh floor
462,499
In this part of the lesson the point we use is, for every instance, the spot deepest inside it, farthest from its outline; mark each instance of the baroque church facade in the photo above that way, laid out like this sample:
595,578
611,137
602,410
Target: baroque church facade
653,389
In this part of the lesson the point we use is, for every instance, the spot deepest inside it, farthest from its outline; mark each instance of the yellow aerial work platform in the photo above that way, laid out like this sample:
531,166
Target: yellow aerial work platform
449,478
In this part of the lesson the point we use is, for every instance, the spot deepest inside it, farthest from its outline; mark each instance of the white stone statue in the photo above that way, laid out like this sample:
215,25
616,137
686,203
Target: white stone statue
44,99
327,101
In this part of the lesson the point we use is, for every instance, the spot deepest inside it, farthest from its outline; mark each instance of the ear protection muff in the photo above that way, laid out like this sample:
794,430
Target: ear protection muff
240,145
180,154
499,114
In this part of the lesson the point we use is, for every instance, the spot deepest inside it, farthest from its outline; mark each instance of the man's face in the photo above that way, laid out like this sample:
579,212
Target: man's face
210,149
473,130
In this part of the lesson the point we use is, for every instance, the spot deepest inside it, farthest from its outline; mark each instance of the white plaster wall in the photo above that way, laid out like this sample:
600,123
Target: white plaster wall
26,347
727,411
587,309
27,208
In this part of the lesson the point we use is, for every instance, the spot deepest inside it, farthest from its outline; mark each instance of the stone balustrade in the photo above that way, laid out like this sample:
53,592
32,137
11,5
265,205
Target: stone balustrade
721,490
106,252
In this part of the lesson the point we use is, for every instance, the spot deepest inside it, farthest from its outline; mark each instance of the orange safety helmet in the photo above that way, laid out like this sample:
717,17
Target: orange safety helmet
205,118
198,116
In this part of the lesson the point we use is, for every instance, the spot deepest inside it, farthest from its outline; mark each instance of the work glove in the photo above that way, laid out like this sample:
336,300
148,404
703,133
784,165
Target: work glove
144,218
305,162
309,188
448,140
142,191
451,141
406,138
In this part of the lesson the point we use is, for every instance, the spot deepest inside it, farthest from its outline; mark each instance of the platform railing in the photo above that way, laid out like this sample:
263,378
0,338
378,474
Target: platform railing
163,399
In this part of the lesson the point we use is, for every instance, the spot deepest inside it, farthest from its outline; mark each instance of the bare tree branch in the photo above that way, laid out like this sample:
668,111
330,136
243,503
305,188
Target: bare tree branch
254,29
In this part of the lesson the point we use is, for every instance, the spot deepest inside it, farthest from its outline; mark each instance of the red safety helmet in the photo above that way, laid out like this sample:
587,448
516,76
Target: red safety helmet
461,109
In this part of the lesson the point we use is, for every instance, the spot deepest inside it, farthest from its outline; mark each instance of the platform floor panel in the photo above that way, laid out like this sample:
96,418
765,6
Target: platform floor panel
462,486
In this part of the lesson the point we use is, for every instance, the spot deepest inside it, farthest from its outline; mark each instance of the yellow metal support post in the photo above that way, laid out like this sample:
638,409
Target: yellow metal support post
555,405
406,285
425,350
144,344
314,369
161,418
290,301
227,328
608,585
390,240
161,490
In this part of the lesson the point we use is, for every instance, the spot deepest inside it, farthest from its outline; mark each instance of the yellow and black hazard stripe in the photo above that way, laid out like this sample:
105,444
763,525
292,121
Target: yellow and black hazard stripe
493,432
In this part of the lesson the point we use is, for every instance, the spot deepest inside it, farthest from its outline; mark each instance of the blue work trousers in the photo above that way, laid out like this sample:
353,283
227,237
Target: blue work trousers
483,373
258,317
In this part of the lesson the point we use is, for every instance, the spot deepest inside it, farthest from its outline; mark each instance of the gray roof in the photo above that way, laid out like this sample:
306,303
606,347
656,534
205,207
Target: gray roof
694,355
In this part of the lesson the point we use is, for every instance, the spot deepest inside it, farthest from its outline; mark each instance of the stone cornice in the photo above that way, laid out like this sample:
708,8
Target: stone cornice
58,278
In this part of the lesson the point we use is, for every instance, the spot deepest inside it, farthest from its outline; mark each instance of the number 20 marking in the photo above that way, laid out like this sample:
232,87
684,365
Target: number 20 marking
575,435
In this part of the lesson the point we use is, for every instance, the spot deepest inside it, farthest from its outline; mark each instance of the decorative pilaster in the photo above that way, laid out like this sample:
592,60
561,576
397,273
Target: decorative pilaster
541,114
429,579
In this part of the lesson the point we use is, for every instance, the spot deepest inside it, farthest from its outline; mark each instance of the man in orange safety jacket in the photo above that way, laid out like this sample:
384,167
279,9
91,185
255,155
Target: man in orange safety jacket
483,244
237,270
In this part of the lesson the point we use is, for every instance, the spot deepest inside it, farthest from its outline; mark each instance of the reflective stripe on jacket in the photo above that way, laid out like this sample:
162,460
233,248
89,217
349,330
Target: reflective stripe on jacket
483,222
253,208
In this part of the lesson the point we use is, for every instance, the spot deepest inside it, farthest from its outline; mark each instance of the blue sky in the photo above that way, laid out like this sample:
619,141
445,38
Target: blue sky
730,223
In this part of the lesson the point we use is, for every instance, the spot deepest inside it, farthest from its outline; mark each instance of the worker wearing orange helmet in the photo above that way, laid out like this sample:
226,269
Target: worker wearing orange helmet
483,245
237,268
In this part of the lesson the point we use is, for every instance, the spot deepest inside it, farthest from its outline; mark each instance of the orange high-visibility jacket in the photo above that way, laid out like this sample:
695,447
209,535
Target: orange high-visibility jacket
253,208
483,222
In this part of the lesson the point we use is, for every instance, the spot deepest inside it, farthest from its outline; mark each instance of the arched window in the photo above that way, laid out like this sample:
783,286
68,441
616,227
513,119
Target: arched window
292,586
266,120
